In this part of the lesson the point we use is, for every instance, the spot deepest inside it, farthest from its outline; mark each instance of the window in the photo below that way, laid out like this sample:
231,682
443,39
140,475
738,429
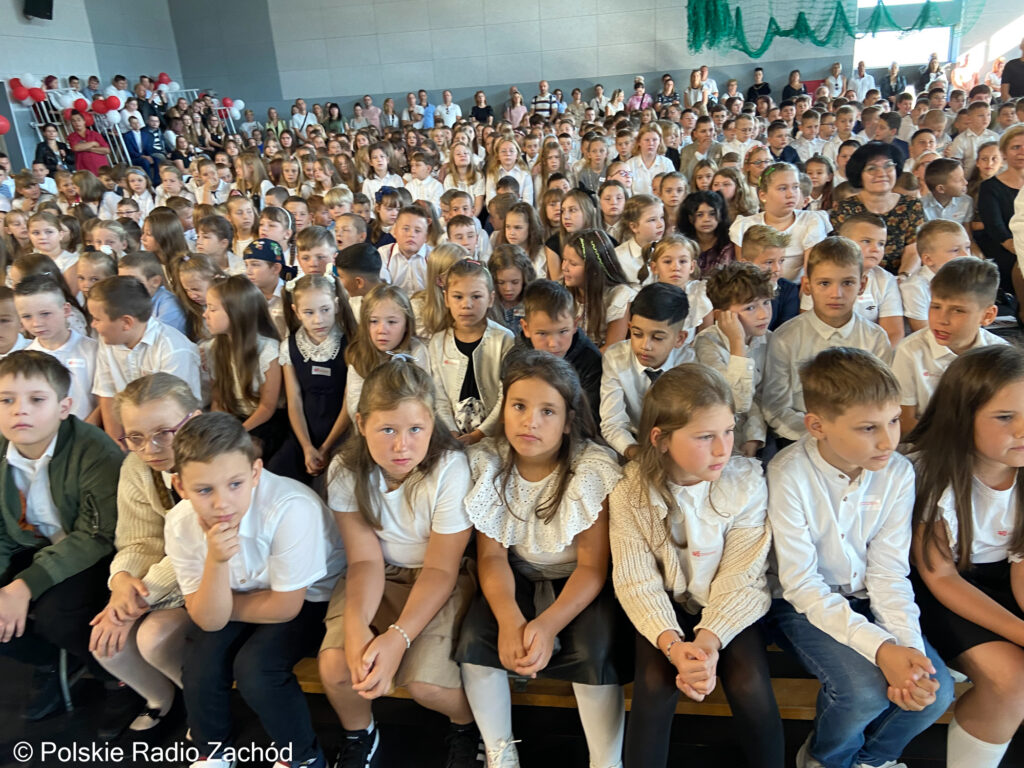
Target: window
908,48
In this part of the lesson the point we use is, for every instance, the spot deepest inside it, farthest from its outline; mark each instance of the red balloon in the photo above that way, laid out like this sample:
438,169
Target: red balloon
89,119
5,125
100,107
20,93
113,102
14,82
81,105
37,94
67,115
227,102
163,78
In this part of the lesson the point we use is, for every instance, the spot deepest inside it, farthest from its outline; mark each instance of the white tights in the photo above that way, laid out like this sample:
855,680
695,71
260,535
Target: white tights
150,662
601,707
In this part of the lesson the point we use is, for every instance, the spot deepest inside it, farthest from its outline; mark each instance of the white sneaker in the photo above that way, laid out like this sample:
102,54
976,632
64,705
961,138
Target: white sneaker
803,757
505,755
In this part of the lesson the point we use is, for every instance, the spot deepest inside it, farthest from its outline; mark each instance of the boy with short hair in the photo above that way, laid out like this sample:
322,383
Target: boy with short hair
276,196
256,556
359,268
938,242
455,202
58,509
656,343
765,247
807,144
264,265
349,229
549,324
11,339
834,278
947,196
147,269
133,344
127,208
298,208
214,235
965,146
315,250
497,210
880,300
624,139
963,302
840,503
462,230
420,183
778,144
44,313
405,260
846,115
508,185
362,206
736,345
338,200
209,188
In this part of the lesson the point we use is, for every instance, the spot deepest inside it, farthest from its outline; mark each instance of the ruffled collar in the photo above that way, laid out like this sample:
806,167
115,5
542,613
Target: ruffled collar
323,352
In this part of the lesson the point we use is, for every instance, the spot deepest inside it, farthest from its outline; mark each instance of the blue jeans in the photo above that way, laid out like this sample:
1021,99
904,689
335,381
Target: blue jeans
855,723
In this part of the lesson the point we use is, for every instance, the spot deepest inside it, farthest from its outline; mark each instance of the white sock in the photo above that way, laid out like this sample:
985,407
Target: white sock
966,751
491,702
603,715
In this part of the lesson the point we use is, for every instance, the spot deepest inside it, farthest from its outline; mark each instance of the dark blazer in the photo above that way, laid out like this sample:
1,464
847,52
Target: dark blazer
54,161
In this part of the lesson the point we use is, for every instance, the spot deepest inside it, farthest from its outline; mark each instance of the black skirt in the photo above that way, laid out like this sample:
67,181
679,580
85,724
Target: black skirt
595,648
951,634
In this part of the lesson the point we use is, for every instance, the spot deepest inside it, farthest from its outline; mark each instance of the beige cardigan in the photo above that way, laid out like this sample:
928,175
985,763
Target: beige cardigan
650,571
139,537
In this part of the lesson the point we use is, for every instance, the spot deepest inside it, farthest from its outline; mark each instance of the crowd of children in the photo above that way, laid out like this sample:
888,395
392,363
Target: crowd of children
261,411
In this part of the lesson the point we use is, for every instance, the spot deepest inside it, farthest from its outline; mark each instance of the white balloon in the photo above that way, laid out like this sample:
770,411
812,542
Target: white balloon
173,86
28,102
239,104
113,117
163,88
68,100
235,114
30,81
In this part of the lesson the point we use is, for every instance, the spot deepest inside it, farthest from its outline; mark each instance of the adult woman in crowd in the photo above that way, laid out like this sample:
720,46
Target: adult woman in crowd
333,121
516,110
53,153
274,122
996,197
893,84
873,170
794,87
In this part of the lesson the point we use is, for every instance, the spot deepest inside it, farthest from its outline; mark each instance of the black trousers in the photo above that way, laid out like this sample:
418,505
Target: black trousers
60,616
259,658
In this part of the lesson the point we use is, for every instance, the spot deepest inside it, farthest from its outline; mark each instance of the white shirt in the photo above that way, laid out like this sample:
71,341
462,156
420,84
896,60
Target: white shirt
807,230
624,382
631,259
959,209
880,297
837,538
287,541
20,342
860,84
920,361
916,293
807,148
797,341
407,272
519,174
78,354
739,147
743,375
831,147
1017,227
161,348
643,177
300,122
965,147
599,105
428,189
413,115
448,113
432,503
993,519
372,184
32,476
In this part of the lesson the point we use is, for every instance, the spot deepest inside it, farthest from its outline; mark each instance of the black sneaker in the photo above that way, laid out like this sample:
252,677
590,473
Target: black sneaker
121,705
46,697
359,750
465,749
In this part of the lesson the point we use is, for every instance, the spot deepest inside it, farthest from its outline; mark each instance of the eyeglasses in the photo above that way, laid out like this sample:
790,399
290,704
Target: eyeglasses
160,440
760,163
623,173
883,168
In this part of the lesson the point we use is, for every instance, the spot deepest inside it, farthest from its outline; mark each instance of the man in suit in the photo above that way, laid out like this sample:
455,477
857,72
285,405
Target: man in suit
154,146
703,147
133,141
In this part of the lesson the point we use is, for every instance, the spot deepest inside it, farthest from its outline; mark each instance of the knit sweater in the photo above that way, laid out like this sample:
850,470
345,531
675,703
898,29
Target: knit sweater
139,538
721,566
83,480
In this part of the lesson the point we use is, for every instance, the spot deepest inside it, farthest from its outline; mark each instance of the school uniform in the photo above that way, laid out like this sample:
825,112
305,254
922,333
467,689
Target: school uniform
920,361
624,383
831,148
146,204
743,375
287,541
65,260
469,385
807,230
474,190
407,272
806,148
20,342
739,147
161,348
354,382
842,549
671,566
965,147
220,194
78,355
643,176
785,304
275,305
519,174
797,341
880,297
916,294
959,209
408,517
616,302
372,185
631,259
428,189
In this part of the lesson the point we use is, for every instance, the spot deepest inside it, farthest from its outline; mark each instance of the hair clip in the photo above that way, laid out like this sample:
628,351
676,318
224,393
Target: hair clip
473,261
110,251
385,190
400,357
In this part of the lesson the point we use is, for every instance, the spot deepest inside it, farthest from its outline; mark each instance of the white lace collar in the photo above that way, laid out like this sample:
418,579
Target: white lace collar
323,352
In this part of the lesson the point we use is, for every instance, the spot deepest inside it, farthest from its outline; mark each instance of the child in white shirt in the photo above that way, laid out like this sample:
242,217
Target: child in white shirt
938,242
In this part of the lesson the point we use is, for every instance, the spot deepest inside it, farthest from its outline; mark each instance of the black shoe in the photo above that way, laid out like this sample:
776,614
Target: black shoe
359,750
46,696
120,707
465,749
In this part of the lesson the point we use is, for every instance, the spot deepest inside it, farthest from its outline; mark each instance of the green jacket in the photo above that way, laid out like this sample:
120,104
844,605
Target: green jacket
83,483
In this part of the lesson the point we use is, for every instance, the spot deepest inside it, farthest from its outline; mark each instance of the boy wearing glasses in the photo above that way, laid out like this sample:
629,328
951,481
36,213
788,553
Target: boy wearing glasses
58,509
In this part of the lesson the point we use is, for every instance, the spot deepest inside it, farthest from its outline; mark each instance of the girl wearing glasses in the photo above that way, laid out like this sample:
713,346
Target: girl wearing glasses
139,637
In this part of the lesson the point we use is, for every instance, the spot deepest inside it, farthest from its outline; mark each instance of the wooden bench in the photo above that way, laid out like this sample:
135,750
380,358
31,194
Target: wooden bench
796,696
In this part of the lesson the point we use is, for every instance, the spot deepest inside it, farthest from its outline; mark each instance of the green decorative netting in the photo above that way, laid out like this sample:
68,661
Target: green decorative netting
754,27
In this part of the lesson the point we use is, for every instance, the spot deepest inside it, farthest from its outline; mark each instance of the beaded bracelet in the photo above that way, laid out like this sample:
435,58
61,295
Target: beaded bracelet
408,642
